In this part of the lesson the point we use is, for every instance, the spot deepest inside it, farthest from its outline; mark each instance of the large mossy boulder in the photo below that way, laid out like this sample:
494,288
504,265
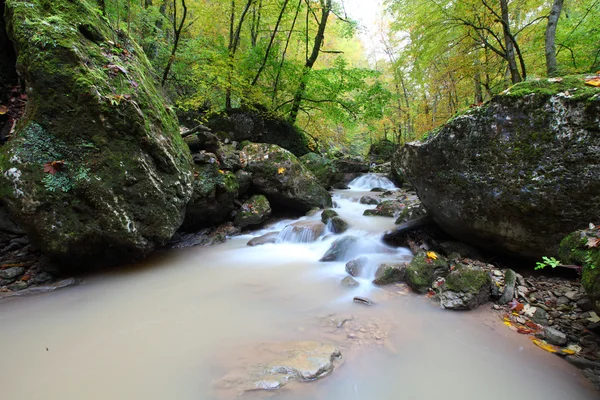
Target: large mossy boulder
504,175
213,198
96,170
465,288
582,248
259,127
279,175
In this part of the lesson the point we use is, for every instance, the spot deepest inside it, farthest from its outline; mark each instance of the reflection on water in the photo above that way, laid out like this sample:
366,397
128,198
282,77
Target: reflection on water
170,328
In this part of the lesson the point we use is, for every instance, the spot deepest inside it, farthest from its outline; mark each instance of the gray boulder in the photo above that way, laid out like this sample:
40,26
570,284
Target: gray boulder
254,211
503,175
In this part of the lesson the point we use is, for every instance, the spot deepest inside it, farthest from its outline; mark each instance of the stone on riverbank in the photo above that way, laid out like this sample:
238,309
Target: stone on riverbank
424,269
254,211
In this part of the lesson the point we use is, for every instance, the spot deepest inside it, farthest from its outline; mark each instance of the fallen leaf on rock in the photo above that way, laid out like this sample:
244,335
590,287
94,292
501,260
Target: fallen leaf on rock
593,242
593,81
53,167
431,255
281,171
3,110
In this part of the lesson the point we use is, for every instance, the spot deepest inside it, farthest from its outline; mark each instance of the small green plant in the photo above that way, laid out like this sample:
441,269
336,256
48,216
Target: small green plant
547,262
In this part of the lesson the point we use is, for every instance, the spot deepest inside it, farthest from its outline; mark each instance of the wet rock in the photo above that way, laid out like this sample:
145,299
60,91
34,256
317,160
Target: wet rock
42,277
338,225
7,224
582,363
355,267
465,288
270,237
363,300
368,200
378,190
388,208
302,232
323,169
339,249
351,165
326,215
279,175
11,273
280,363
510,278
554,336
349,281
390,273
423,271
585,304
254,211
230,158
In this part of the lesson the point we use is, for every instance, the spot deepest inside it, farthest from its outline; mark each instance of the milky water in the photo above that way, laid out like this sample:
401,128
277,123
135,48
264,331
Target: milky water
171,327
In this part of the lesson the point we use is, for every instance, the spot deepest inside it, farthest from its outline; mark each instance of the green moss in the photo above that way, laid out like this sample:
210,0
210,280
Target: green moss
465,279
423,271
575,85
574,250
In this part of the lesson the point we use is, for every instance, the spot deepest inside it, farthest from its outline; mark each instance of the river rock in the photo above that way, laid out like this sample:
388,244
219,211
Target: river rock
213,198
349,281
230,158
270,237
279,175
338,225
302,231
423,271
369,200
11,273
278,363
339,249
390,273
118,172
355,267
502,176
244,179
465,288
326,215
554,336
582,248
254,211
388,208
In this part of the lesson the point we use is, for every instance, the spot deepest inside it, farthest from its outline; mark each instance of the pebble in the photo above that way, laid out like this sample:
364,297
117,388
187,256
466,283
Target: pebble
563,300
572,295
11,273
554,336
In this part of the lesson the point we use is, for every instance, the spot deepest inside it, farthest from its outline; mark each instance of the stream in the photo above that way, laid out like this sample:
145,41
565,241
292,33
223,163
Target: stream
174,325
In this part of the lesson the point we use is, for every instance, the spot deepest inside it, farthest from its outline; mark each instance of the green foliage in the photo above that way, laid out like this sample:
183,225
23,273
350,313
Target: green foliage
547,262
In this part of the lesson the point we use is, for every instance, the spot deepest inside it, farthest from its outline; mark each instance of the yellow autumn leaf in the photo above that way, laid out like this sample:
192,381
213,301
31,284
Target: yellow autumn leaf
594,81
281,171
431,255
544,346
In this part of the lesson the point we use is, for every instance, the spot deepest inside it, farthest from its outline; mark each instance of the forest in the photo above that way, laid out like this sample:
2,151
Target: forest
305,61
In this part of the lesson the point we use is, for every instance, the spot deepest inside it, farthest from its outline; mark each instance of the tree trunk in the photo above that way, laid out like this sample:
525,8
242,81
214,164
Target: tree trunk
515,76
551,67
310,61
234,40
287,43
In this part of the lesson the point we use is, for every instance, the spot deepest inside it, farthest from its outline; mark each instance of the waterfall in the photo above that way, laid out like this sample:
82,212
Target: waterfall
370,181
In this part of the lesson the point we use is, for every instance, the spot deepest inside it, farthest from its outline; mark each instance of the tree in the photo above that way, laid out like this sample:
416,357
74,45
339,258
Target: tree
551,67
177,36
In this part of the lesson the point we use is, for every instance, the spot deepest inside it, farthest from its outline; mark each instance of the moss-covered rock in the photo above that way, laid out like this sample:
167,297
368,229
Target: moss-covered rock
255,211
337,225
96,169
581,248
423,271
212,202
390,273
326,215
465,288
411,212
503,175
279,175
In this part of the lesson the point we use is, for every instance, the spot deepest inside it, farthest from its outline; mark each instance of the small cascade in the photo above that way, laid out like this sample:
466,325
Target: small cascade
370,181
301,232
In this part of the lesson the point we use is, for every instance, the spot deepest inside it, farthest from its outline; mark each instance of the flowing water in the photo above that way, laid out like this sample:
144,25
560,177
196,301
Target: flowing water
172,327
